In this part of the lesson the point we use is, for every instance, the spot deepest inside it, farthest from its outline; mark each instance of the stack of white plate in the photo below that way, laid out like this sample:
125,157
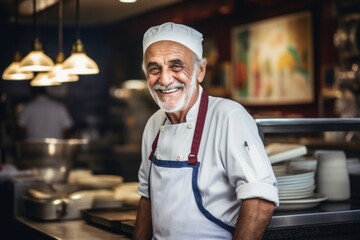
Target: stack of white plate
296,184
296,188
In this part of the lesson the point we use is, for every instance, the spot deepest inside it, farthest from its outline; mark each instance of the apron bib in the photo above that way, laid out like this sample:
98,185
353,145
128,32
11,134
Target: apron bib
177,209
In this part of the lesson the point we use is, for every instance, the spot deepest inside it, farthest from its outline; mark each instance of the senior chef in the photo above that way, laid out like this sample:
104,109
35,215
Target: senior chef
204,172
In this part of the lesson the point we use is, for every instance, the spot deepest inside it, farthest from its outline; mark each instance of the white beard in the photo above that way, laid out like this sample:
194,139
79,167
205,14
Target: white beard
184,100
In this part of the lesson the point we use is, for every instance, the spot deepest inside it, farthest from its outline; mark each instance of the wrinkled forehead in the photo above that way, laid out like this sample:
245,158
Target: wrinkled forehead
165,51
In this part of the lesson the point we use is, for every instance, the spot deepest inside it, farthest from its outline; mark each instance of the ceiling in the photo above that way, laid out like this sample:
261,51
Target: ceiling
92,12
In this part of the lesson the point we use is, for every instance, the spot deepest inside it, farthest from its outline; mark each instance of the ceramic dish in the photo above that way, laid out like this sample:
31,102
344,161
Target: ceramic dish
298,204
296,174
297,190
295,196
297,184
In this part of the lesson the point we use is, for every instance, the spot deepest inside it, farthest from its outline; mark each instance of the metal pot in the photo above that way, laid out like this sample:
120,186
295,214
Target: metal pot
50,159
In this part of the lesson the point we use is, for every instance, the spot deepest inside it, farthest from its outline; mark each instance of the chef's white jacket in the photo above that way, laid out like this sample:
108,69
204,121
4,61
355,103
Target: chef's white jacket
234,164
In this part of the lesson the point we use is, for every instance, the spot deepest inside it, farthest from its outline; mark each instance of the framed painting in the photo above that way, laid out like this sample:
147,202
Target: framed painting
273,61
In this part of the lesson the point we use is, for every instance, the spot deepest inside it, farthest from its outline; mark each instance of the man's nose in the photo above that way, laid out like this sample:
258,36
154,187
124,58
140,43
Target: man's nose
165,78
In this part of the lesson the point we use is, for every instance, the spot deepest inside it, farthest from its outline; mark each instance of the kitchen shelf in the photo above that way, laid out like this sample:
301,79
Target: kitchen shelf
310,125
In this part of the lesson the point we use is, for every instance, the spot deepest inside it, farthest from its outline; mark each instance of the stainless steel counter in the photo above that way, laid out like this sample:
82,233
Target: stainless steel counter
64,230
325,213
335,219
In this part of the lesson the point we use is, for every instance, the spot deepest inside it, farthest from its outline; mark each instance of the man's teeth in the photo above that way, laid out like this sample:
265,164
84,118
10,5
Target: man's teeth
169,90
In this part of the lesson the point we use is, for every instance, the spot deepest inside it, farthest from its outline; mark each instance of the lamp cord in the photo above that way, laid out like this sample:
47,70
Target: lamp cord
77,9
35,20
16,14
60,22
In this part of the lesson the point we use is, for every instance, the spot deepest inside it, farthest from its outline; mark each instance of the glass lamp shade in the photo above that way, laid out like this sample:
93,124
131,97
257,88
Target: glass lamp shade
13,72
42,79
36,60
79,63
57,74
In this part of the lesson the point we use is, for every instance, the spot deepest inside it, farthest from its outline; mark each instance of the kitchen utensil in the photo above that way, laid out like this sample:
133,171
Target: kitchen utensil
40,204
50,159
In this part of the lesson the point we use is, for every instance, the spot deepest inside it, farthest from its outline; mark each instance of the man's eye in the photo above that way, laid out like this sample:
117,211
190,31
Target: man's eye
176,67
154,70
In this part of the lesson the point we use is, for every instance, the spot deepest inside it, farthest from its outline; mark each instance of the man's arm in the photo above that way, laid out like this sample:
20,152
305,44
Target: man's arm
143,225
255,215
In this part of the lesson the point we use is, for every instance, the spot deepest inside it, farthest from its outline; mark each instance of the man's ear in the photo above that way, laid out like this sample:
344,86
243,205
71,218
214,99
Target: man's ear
202,71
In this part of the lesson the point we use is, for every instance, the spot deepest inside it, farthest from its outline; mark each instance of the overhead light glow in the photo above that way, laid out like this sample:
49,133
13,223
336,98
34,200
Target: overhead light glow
25,6
127,1
42,79
135,84
13,71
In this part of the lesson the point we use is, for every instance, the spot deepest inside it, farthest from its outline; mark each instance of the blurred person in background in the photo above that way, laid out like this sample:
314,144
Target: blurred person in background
44,117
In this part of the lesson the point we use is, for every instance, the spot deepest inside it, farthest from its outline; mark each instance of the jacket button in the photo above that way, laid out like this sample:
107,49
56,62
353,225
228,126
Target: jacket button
190,125
158,156
178,157
162,128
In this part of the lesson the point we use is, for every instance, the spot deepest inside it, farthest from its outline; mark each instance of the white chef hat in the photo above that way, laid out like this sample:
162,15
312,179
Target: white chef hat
179,33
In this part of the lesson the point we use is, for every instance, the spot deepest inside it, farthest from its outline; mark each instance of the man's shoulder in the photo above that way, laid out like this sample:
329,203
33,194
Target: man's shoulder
156,119
224,105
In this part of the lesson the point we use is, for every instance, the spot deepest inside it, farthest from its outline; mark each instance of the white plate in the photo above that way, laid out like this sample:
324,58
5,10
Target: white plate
296,190
296,174
298,184
297,204
295,196
290,181
305,194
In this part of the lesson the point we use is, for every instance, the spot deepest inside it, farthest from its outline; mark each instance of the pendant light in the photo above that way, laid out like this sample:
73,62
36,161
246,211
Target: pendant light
13,71
36,60
79,62
42,79
57,74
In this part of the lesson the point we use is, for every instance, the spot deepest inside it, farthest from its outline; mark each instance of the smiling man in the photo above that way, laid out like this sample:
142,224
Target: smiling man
204,173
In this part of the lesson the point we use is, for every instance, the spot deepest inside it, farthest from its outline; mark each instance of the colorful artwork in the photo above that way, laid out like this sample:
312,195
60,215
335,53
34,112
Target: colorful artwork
272,61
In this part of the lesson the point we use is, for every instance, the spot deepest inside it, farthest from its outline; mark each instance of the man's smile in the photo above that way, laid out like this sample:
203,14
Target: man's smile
168,91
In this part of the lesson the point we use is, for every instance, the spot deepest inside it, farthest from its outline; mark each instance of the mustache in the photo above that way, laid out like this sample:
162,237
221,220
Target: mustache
160,87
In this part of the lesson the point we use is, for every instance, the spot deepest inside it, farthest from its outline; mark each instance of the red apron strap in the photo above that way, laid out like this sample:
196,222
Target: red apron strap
200,122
